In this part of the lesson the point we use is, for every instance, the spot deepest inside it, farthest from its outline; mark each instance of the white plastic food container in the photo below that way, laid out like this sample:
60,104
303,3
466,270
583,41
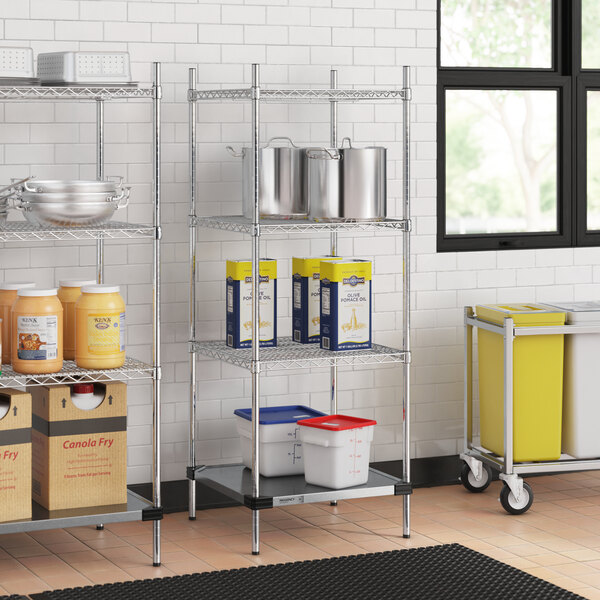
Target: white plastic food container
16,62
581,403
336,450
84,67
280,448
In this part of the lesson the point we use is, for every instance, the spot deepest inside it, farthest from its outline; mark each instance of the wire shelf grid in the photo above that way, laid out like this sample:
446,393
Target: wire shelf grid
240,224
75,93
299,95
71,373
21,231
292,355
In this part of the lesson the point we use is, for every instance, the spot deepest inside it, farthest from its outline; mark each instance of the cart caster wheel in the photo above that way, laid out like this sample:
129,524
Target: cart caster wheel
468,479
510,504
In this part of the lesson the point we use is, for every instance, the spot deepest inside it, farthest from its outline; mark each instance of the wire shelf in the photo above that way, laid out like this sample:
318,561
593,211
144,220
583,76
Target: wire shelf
21,231
295,95
292,355
240,224
78,92
71,373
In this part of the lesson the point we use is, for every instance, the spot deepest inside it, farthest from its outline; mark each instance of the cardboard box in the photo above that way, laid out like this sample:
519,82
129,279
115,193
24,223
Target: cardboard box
239,303
306,298
79,456
346,304
15,457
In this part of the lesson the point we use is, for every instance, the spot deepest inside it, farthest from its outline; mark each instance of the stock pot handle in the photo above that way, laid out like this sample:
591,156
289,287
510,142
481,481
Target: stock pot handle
281,137
314,154
347,139
123,195
118,179
234,153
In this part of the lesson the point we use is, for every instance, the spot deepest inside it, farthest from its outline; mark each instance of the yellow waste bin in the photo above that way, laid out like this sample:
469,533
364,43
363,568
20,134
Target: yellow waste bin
537,383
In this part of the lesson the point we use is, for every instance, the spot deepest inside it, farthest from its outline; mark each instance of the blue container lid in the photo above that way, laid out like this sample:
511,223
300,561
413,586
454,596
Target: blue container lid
274,415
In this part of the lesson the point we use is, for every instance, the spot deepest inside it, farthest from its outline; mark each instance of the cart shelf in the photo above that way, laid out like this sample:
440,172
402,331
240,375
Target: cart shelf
239,224
292,355
136,509
21,231
235,481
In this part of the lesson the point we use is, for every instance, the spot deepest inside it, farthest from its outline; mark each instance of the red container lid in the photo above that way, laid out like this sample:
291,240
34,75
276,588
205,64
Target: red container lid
83,388
337,422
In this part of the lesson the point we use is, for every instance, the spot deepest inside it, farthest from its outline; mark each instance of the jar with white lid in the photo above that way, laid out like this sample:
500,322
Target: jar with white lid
8,295
37,332
100,327
68,294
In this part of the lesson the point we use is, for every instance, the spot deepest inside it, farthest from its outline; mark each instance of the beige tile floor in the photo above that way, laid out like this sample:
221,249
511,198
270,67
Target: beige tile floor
557,540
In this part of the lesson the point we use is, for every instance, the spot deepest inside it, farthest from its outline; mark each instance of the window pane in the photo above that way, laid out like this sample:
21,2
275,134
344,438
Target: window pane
590,42
496,33
501,161
593,160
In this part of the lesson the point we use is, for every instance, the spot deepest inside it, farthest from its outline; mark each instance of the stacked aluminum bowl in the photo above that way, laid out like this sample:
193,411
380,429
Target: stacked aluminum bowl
76,203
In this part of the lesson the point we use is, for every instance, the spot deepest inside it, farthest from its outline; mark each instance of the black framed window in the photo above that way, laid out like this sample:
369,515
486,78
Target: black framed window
518,124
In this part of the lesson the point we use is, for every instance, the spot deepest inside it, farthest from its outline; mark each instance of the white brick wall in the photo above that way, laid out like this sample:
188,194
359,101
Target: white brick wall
297,41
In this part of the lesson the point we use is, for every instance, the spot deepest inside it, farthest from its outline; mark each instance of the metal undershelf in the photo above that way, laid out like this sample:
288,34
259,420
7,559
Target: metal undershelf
235,481
71,373
97,92
292,355
240,224
300,95
79,517
21,231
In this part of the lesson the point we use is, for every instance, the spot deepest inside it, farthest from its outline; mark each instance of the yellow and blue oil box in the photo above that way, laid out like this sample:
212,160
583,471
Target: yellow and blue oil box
306,298
346,304
239,303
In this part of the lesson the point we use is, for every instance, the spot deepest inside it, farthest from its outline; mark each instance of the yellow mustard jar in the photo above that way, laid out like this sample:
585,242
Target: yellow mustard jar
100,328
8,295
37,332
68,294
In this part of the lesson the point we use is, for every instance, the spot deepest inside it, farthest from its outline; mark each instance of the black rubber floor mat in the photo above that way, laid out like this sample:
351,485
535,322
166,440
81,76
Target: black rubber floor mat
450,572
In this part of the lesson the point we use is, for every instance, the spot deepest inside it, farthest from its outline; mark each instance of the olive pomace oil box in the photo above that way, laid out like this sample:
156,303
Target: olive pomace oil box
239,303
306,298
346,304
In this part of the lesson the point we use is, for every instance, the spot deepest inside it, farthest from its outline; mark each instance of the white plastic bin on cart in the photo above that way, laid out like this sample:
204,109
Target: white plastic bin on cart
581,401
280,448
336,450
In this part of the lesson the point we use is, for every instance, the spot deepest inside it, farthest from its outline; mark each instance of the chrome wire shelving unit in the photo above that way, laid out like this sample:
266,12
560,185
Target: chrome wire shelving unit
246,485
136,508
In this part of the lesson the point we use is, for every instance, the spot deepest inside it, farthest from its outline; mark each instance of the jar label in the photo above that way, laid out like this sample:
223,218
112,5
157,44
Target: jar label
106,334
37,338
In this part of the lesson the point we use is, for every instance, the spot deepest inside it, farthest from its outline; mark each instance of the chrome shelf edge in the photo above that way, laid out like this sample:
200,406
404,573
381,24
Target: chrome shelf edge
25,232
293,95
71,373
43,520
292,355
239,224
78,92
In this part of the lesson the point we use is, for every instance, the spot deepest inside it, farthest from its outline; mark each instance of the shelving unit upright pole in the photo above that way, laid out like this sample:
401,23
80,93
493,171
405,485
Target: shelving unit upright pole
156,350
333,81
333,249
406,295
100,177
255,366
192,297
